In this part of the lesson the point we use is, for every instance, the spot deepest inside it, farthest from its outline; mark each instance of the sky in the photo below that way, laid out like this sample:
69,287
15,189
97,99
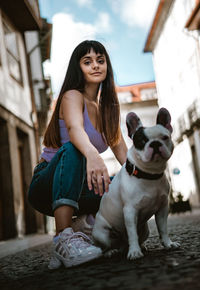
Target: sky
122,26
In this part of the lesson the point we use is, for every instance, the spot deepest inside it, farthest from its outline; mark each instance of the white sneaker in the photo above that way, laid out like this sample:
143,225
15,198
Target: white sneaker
80,224
73,249
54,263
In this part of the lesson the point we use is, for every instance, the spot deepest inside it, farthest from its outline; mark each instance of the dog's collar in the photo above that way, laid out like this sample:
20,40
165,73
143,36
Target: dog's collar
132,169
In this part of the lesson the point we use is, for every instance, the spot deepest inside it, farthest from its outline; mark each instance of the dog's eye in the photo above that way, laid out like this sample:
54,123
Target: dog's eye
140,139
165,137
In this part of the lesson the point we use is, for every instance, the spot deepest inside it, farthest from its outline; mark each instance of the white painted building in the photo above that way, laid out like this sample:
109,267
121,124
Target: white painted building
38,45
176,57
19,119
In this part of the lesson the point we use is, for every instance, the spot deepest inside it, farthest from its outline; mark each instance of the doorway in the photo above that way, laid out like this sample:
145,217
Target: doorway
25,179
7,214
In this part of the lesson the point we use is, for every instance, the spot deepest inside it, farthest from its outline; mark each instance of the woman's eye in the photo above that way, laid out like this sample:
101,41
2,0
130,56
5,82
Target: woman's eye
87,62
101,61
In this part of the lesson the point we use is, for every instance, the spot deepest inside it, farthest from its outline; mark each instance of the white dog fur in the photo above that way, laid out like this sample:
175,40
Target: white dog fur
139,191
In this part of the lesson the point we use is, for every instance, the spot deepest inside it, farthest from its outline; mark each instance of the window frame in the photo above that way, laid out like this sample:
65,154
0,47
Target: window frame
17,59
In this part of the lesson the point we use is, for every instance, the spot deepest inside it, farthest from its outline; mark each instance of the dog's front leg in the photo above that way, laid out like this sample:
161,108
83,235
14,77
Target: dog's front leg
161,222
131,219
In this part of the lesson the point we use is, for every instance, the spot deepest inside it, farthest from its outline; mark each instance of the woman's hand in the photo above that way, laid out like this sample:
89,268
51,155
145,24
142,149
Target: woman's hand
97,174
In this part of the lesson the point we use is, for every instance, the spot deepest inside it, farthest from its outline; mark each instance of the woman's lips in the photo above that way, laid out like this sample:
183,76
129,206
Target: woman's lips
96,74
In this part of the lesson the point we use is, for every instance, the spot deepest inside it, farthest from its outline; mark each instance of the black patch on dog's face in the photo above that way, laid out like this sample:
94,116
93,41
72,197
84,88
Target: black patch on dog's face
140,139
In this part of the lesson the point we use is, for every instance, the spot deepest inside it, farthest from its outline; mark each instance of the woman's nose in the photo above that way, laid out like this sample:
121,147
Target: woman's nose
95,64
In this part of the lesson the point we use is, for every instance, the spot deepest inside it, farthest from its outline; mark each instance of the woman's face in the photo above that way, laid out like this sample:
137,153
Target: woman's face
94,67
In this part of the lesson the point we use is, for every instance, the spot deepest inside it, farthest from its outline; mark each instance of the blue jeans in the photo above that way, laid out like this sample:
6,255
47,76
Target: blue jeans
62,181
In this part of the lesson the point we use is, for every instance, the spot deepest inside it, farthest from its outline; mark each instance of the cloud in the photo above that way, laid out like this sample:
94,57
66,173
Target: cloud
87,3
135,12
67,34
102,24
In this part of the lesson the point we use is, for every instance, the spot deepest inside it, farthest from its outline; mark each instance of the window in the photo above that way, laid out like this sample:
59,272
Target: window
12,52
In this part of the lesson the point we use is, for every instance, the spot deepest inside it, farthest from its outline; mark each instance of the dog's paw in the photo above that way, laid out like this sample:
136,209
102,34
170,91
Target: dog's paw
134,254
110,253
175,245
171,245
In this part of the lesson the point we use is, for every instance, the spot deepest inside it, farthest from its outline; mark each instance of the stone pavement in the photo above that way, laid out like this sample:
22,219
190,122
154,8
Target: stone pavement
158,270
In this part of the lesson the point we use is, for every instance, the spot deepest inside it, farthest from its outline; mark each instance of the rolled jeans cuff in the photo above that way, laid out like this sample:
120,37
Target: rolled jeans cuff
64,201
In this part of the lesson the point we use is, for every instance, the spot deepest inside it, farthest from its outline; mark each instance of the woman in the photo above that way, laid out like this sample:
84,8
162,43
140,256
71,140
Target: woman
71,175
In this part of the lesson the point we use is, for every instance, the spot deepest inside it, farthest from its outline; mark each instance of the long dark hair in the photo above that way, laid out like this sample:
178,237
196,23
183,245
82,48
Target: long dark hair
108,101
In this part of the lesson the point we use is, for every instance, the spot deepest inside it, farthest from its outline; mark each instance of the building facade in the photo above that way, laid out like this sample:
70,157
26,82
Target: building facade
19,122
174,41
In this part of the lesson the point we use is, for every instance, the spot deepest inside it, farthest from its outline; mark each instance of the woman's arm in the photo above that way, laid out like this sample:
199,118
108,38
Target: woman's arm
120,151
72,112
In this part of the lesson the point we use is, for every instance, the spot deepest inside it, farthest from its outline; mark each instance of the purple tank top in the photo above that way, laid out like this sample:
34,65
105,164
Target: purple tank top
95,137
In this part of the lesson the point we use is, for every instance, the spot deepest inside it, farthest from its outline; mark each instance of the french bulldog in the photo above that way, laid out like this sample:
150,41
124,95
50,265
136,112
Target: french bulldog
139,191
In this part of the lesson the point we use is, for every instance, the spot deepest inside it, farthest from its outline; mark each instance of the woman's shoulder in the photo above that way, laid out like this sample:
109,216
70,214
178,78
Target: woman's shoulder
72,93
71,99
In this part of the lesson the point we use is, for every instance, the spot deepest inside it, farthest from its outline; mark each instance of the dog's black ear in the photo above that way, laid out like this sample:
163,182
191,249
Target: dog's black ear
133,122
164,119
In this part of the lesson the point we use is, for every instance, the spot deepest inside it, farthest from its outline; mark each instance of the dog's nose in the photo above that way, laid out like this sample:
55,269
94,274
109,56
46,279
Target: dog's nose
155,145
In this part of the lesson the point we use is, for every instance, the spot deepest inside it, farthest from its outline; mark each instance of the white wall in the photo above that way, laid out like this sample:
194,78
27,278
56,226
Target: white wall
176,62
14,96
32,40
177,71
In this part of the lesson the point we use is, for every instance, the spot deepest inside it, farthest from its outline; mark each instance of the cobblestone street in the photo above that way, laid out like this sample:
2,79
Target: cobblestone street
158,270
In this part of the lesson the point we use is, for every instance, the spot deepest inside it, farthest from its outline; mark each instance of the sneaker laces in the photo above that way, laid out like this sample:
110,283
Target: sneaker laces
80,239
